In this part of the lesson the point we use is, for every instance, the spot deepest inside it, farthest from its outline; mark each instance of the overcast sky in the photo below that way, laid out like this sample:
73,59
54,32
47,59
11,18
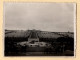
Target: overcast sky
56,17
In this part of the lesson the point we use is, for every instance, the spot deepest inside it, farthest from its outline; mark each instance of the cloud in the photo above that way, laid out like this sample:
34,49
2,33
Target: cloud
43,16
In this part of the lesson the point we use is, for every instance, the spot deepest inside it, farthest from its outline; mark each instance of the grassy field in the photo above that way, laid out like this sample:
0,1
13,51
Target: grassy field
61,43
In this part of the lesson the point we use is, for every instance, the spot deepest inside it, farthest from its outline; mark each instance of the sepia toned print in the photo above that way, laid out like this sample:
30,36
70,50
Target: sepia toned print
39,29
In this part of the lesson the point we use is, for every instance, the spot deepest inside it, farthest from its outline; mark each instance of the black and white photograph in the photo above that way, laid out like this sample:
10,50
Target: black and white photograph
39,29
